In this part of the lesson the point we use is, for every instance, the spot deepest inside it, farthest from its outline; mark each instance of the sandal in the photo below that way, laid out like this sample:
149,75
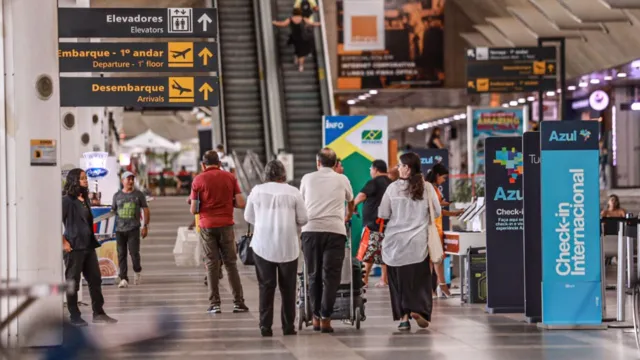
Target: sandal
422,322
381,285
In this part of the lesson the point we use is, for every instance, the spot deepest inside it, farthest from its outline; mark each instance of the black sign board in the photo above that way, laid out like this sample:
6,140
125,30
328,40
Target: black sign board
173,91
505,223
430,157
511,69
138,57
532,227
139,22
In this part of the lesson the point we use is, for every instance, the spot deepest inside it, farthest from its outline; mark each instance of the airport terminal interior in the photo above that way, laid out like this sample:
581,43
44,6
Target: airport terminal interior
385,179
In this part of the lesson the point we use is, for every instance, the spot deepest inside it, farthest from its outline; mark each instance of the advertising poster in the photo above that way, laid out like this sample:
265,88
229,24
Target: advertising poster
532,227
486,122
430,157
571,254
357,140
108,251
364,25
413,38
505,224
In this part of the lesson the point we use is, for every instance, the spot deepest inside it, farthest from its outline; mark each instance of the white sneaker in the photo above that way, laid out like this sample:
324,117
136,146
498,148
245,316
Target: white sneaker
123,284
137,279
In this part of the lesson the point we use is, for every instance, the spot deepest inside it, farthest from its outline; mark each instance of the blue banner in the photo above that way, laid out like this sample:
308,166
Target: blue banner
571,254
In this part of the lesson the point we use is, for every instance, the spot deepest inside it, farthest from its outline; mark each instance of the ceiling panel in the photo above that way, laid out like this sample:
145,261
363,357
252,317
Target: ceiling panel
476,39
512,29
592,11
401,118
560,17
492,34
621,4
539,24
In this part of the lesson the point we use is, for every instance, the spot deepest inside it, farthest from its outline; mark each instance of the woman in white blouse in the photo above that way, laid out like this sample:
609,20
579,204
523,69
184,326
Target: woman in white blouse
277,211
405,205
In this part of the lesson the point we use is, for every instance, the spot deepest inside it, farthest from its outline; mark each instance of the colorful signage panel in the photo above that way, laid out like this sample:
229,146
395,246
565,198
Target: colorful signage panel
357,141
532,227
487,122
413,39
505,224
571,249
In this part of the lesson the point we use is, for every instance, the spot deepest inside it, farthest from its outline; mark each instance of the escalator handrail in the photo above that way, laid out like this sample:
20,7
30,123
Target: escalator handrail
280,73
244,182
329,100
264,98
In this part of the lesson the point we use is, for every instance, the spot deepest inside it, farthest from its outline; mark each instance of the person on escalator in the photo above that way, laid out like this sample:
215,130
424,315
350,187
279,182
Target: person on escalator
308,7
301,35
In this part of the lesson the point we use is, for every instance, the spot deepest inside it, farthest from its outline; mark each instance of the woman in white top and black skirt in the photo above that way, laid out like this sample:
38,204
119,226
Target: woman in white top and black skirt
277,211
405,205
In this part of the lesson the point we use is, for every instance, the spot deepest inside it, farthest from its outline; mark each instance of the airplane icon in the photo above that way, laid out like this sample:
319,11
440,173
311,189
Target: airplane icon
182,54
177,86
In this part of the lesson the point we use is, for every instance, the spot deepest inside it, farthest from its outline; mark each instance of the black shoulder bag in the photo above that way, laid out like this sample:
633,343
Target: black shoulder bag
245,252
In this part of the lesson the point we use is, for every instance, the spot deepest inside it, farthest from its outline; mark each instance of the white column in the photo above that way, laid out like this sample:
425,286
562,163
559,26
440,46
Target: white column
30,226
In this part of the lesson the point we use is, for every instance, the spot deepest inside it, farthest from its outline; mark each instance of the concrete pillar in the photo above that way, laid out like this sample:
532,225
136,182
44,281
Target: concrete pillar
30,215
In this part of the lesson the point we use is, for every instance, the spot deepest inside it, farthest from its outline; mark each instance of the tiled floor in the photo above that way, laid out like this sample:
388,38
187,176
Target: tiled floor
457,332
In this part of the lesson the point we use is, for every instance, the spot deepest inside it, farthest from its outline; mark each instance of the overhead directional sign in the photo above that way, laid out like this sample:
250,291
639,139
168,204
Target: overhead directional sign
173,91
511,69
142,22
138,57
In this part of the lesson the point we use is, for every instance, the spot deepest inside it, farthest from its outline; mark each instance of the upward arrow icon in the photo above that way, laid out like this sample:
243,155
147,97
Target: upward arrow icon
205,89
204,20
205,54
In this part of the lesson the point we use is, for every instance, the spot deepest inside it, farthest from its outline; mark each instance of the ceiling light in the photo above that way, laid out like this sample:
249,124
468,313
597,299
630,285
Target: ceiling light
635,64
594,81
531,98
559,91
373,92
608,77
522,100
411,129
551,93
463,116
505,105
571,87
200,115
456,117
583,84
362,97
351,102
419,127
513,103
622,75
635,106
447,120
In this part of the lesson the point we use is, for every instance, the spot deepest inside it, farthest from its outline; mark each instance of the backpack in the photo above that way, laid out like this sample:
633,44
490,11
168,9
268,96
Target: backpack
305,6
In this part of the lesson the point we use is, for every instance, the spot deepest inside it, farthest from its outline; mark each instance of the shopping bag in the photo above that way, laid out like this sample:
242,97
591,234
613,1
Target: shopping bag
436,252
245,252
187,247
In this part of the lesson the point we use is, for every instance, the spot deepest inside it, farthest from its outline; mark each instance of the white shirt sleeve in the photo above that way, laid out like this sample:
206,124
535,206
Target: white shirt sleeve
303,186
348,189
433,197
384,210
230,162
249,211
301,211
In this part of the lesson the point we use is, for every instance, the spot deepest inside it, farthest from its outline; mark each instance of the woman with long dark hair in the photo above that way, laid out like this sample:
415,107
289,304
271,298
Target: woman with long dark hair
406,205
435,141
79,244
436,177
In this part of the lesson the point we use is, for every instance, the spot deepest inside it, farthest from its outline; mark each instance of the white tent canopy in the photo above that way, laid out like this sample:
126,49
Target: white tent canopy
151,141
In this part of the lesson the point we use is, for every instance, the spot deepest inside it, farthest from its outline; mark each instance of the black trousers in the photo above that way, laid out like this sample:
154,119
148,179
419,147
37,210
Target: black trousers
410,289
283,275
128,239
84,262
323,256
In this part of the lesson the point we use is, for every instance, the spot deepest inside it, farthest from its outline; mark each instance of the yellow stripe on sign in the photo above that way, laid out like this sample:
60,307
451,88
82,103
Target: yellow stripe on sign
344,147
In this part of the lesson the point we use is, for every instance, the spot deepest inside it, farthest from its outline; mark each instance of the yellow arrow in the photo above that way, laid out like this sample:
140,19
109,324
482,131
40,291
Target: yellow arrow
205,54
206,89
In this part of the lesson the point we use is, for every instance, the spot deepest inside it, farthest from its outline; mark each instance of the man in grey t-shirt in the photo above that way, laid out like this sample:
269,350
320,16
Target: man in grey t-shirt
128,204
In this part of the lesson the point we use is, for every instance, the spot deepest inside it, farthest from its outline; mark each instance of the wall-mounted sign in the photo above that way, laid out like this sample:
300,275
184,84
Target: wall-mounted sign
173,91
599,100
138,57
43,153
144,22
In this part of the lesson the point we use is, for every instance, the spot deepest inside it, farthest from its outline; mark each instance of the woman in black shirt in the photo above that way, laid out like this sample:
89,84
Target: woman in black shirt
79,244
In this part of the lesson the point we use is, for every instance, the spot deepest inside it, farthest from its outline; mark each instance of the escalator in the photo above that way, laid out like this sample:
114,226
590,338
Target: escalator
302,97
242,91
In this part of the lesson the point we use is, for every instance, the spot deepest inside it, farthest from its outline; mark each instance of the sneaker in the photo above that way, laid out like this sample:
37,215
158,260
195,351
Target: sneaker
404,326
123,284
240,308
289,332
78,322
266,332
103,319
214,309
137,280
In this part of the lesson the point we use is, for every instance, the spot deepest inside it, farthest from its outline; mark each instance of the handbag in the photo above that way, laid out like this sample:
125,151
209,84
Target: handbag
245,252
436,252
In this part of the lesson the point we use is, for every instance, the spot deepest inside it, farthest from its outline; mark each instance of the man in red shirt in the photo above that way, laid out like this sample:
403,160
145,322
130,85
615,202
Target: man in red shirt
214,193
